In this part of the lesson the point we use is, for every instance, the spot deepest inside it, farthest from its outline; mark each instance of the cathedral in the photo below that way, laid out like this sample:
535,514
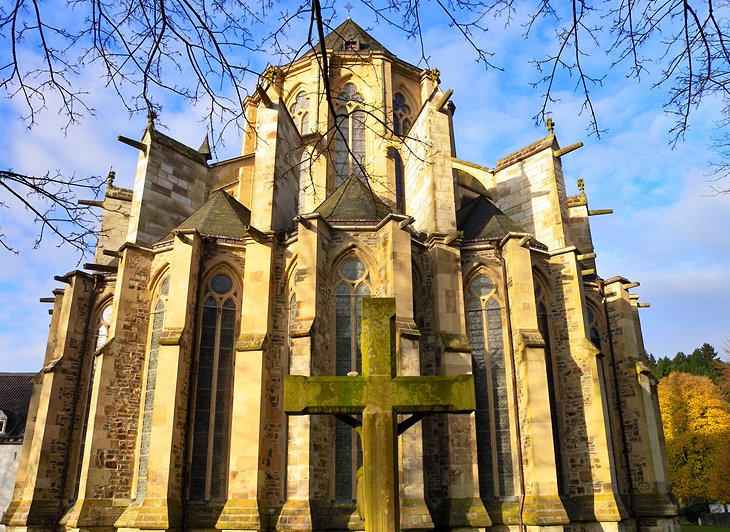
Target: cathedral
160,404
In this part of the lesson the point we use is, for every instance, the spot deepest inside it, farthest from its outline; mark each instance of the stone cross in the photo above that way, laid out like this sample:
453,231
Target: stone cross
379,395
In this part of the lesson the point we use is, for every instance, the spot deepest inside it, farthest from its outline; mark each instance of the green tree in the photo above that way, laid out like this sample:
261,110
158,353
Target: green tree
703,361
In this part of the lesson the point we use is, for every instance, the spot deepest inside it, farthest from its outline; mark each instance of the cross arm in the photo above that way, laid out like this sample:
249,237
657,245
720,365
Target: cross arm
324,395
452,394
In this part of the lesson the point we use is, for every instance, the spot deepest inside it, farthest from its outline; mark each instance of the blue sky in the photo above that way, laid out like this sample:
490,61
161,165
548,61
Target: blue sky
668,230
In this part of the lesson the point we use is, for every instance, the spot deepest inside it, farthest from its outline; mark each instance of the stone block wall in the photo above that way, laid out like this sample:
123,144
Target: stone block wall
171,182
114,222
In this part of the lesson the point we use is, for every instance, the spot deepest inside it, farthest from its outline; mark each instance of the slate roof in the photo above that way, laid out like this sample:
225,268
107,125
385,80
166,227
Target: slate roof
221,216
350,31
15,392
480,219
353,201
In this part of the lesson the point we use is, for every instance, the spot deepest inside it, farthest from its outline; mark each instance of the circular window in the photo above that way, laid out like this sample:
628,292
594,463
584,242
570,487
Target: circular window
353,270
106,314
482,286
165,286
221,284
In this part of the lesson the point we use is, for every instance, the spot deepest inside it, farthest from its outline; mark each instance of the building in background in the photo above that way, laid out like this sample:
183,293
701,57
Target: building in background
160,404
15,392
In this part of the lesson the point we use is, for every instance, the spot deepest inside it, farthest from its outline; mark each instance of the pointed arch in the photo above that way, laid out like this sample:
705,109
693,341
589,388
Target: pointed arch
485,324
351,283
299,106
350,122
403,111
544,305
212,400
97,339
157,321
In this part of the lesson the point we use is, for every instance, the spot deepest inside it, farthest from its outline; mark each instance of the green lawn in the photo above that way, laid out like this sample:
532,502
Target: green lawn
695,528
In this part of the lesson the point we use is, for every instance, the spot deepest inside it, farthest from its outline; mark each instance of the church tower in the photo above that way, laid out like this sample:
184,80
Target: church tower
160,403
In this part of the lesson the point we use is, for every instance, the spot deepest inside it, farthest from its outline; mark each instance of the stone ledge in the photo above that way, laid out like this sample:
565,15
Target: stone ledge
154,513
92,512
544,510
33,513
240,514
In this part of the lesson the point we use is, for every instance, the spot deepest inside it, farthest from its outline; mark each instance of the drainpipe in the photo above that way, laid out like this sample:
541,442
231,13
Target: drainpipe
624,444
515,401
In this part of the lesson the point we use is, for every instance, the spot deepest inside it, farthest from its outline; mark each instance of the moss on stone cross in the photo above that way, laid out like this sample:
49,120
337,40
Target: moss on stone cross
379,395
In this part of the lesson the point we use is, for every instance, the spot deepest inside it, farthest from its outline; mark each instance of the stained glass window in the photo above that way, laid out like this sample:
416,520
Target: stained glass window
352,287
493,426
350,122
299,111
158,318
400,186
401,114
213,392
593,329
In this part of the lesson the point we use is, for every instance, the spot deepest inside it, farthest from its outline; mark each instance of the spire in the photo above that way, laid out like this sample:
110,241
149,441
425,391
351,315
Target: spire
204,149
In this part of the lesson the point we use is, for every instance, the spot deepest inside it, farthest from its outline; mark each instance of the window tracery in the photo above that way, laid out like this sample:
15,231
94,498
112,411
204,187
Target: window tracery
595,336
102,331
493,427
299,111
349,134
352,286
213,391
402,118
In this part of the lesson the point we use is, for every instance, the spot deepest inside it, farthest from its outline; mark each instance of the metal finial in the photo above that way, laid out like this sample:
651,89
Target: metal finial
349,9
550,124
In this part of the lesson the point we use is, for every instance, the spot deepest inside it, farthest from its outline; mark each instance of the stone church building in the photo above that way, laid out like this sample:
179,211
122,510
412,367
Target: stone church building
160,402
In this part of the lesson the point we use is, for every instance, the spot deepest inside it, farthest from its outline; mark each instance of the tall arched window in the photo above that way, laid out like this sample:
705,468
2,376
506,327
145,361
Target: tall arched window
213,391
306,179
401,114
595,336
400,196
543,325
299,112
102,330
494,438
157,322
352,286
349,134
103,324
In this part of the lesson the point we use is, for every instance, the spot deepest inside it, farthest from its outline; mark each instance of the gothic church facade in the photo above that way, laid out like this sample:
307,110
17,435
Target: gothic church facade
159,405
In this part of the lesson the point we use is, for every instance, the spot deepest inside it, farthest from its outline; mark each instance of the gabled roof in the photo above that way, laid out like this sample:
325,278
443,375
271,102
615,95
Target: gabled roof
353,201
221,216
350,31
480,219
15,392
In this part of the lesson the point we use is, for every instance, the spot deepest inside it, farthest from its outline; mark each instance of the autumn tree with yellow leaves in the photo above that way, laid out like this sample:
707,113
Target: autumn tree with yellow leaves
696,418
